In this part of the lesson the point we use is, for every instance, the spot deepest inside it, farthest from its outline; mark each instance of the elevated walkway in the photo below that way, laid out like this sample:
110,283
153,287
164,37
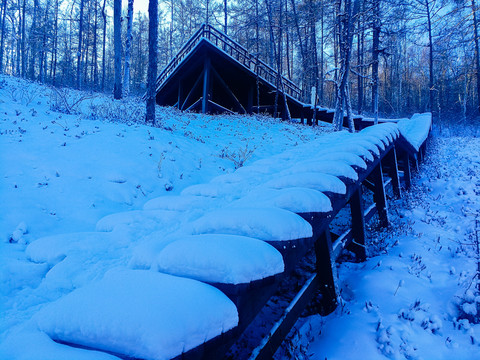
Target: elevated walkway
212,73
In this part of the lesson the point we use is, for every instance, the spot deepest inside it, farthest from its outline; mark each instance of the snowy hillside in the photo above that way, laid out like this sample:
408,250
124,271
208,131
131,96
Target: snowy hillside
81,185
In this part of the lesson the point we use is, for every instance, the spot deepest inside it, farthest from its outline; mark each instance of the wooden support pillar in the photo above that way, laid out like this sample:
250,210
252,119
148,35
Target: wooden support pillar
379,195
206,85
326,273
358,225
251,91
180,93
310,118
390,161
407,174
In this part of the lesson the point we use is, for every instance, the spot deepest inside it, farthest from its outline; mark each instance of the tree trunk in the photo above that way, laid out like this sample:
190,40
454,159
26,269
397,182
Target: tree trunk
117,39
80,48
2,41
33,41
477,52
346,41
152,60
225,13
94,74
104,16
24,55
55,46
375,56
128,46
430,59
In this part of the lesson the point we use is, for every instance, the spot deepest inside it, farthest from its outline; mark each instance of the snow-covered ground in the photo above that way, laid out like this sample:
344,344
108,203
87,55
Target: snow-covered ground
77,173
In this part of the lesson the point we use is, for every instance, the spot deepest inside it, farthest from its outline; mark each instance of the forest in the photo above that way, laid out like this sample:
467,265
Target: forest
386,58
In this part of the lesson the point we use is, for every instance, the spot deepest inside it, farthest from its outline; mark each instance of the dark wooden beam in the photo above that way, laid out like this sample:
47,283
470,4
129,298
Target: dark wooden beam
270,343
187,99
326,272
391,167
229,91
195,104
379,195
180,92
407,174
206,84
358,225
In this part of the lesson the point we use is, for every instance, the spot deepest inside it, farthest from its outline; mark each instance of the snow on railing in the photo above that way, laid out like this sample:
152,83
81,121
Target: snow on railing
416,129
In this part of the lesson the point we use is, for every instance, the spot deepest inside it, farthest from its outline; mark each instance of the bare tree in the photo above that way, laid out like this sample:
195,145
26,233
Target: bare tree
128,46
2,41
117,39
346,10
152,60
477,50
375,57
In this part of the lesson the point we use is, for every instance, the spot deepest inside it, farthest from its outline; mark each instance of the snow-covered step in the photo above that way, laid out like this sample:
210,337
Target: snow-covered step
264,223
178,203
140,314
312,180
220,258
294,199
415,130
330,167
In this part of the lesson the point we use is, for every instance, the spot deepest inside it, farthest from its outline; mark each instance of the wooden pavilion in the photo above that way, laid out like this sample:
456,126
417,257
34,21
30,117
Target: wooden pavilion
214,74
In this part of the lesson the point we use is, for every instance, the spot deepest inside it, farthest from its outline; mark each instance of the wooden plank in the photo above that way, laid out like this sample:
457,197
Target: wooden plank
379,195
270,343
197,82
391,166
229,91
407,174
206,85
358,225
195,104
326,272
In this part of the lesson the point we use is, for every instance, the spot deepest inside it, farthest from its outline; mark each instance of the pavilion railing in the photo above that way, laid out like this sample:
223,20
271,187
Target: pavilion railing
235,51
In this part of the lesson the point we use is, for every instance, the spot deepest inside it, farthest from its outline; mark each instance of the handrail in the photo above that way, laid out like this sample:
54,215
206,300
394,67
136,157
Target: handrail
235,51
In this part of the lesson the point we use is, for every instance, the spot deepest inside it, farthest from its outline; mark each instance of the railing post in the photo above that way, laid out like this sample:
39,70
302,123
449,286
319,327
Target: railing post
390,161
379,195
326,272
358,225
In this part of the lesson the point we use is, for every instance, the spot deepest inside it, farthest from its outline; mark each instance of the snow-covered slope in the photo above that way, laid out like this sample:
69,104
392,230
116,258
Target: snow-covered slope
96,196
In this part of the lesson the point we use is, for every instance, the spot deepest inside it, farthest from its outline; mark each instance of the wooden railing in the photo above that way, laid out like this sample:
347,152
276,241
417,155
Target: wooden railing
235,51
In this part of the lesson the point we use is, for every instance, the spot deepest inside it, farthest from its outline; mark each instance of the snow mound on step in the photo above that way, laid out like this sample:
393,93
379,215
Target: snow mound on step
219,258
137,219
297,200
312,180
270,224
416,129
330,167
177,203
141,314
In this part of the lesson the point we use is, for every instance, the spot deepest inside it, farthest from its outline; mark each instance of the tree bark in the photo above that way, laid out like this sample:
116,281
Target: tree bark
430,59
104,16
128,46
375,58
225,13
346,40
2,41
80,48
117,38
477,52
152,60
